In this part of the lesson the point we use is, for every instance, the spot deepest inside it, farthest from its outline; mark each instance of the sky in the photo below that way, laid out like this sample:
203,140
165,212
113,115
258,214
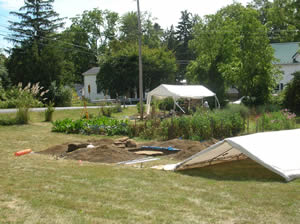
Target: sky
166,12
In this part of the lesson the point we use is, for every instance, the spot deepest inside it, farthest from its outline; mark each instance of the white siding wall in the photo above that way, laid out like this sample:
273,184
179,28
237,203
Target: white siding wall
93,96
288,70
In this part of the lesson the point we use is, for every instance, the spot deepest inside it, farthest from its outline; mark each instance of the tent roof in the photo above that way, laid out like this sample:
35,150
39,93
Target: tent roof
277,151
181,91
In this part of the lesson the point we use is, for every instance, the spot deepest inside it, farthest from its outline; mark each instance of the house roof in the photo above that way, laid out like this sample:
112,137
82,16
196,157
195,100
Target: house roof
92,71
286,52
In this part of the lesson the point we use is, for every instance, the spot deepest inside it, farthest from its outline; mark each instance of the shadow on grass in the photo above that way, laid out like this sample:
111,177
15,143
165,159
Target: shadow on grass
245,170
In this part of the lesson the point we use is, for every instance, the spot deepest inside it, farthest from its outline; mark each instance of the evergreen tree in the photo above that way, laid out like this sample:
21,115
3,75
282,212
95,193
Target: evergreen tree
38,54
183,35
38,21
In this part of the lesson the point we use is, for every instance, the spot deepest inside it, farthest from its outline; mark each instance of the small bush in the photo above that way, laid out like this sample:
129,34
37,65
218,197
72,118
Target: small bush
238,108
166,104
49,112
106,111
117,108
60,95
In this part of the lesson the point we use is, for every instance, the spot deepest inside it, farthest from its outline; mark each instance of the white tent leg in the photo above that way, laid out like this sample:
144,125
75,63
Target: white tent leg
149,98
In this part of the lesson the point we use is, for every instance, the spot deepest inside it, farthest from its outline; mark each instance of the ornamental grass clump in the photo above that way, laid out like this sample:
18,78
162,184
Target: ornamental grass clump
28,97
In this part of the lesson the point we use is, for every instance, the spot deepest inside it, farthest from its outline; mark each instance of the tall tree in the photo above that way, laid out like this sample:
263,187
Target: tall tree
169,39
152,33
88,37
281,17
99,27
4,79
37,21
37,55
232,47
183,35
119,70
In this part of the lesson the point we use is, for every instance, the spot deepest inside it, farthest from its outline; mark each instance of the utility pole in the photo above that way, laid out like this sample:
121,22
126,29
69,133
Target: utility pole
140,62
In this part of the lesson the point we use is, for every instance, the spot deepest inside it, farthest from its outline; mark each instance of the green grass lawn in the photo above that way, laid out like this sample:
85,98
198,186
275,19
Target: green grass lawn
40,189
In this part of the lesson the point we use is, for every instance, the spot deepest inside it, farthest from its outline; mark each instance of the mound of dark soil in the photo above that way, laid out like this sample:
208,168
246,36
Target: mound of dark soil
106,151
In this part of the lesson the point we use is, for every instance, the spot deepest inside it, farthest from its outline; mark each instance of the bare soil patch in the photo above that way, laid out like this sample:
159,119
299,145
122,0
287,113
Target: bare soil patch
113,151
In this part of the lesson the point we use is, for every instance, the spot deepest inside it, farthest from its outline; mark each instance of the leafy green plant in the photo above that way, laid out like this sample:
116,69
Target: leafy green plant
201,126
101,125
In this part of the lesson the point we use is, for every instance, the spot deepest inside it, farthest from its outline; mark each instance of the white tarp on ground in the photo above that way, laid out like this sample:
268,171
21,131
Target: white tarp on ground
179,91
278,151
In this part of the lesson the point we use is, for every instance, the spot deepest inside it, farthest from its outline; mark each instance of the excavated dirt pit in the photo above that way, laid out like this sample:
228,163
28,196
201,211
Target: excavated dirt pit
124,149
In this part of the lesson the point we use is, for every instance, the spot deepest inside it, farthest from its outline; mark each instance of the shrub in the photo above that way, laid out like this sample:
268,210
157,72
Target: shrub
117,108
238,108
60,95
49,112
106,111
166,104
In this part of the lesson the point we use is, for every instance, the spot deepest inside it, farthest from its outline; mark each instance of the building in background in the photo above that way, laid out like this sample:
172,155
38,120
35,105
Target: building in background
91,91
288,59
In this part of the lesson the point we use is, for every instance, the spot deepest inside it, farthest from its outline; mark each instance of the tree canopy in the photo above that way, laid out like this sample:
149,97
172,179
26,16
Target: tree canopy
119,69
37,55
233,49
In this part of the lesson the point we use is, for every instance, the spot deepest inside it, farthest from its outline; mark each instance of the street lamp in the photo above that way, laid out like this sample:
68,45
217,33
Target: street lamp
140,61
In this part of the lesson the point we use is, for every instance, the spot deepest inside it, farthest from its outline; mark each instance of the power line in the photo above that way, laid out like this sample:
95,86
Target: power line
62,48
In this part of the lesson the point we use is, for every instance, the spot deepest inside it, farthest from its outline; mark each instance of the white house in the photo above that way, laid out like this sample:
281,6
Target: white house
91,91
289,61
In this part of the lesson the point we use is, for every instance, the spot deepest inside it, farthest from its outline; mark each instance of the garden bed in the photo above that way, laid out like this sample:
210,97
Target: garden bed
106,151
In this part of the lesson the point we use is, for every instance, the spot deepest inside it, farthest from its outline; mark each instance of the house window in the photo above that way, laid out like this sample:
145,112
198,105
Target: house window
89,89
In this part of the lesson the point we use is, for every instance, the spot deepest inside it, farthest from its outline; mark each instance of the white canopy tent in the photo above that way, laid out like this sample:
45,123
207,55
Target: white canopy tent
277,151
180,91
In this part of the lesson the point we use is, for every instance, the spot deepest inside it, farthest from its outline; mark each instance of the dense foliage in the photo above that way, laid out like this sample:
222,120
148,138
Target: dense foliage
101,125
202,125
228,48
292,94
37,55
233,49
119,69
